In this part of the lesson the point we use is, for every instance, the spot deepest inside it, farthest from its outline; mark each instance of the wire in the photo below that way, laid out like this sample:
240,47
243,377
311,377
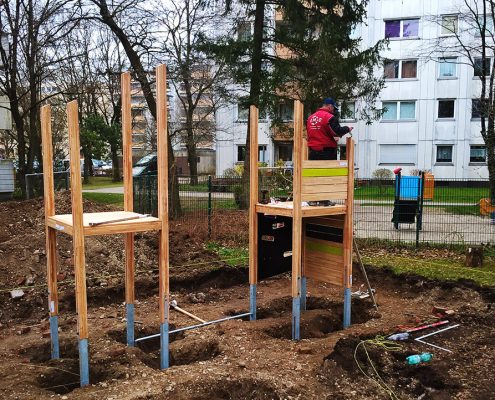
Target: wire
387,345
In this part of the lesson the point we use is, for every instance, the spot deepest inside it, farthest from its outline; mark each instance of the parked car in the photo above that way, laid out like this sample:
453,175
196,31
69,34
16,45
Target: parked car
148,165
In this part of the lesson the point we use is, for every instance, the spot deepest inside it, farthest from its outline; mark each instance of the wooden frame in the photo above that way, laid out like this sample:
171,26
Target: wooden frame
78,224
326,260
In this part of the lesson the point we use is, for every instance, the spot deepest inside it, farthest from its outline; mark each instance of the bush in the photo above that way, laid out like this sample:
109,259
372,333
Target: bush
382,174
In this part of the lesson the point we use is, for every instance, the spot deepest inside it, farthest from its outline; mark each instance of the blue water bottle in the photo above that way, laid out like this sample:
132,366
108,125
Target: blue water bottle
419,358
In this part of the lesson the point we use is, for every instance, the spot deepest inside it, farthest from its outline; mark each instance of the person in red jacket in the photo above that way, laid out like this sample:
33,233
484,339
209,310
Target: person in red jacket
324,131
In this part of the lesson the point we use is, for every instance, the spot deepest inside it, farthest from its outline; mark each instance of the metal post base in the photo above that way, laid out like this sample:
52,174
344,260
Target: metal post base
252,302
83,362
164,351
54,336
130,324
296,318
303,293
347,308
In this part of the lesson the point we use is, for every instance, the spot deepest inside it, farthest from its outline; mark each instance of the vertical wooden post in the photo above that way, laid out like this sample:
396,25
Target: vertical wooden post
297,220
51,237
253,216
163,263
128,203
78,239
348,233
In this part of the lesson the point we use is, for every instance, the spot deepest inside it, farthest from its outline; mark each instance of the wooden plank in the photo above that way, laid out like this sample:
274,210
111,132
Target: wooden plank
324,247
49,199
128,186
324,196
331,188
253,195
324,180
325,164
325,269
324,277
324,260
348,228
77,219
162,154
314,172
321,211
297,212
268,209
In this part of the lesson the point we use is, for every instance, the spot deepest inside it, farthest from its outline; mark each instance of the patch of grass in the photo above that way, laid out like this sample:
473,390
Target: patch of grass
202,187
105,198
233,255
98,182
439,269
463,210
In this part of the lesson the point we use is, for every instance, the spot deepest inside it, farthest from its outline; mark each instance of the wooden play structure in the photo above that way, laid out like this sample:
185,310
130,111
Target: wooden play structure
321,242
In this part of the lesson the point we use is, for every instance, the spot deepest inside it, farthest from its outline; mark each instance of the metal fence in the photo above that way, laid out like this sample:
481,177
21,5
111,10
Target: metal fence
34,183
451,211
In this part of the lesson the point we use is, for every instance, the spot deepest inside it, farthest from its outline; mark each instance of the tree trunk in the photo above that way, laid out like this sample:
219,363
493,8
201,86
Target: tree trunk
87,167
115,164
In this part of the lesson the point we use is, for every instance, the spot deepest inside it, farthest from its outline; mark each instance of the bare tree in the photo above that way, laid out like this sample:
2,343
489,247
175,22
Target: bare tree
468,36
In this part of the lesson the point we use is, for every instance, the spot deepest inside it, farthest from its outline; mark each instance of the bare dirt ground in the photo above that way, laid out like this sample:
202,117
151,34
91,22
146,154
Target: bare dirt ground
236,359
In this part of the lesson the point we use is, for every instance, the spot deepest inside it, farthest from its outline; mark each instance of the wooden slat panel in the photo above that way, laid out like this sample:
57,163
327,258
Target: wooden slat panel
332,188
324,180
324,196
323,277
312,172
324,247
325,164
323,259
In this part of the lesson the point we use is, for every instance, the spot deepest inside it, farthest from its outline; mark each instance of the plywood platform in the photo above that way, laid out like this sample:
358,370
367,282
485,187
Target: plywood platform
63,223
286,209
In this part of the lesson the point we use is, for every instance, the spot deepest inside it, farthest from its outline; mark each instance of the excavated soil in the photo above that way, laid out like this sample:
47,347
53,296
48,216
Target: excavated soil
238,359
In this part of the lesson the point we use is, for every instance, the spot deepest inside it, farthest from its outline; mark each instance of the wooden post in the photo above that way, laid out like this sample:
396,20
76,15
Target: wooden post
163,263
128,203
253,216
347,240
78,239
51,237
297,220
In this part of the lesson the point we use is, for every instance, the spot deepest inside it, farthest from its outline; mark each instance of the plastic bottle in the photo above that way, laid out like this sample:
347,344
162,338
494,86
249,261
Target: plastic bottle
399,336
419,358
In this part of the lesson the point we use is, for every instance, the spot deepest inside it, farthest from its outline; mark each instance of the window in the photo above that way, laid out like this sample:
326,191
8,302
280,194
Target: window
444,154
286,110
449,24
399,110
447,67
262,155
284,151
244,31
400,69
241,153
488,30
476,111
398,154
477,154
446,108
405,28
478,66
349,111
242,111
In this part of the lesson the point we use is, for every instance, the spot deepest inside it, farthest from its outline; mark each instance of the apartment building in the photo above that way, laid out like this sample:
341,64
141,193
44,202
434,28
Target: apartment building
431,119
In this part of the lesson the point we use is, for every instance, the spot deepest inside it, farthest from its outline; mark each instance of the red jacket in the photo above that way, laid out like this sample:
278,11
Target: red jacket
323,130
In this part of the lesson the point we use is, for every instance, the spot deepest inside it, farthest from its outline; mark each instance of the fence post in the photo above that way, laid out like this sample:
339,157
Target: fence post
209,207
419,217
67,180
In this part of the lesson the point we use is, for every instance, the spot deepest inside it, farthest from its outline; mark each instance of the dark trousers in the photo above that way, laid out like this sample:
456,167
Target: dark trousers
329,153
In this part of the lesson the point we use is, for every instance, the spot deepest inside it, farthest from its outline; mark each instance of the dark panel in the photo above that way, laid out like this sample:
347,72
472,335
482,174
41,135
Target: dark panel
325,233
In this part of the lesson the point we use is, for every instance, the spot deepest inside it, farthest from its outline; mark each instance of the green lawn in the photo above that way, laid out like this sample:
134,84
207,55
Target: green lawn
202,187
233,256
437,269
105,198
98,182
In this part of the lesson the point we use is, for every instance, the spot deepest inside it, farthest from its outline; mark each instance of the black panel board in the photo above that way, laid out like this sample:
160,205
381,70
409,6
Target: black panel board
273,240
325,233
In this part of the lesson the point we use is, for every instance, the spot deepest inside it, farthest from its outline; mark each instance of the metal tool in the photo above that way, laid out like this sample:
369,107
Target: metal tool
92,224
371,291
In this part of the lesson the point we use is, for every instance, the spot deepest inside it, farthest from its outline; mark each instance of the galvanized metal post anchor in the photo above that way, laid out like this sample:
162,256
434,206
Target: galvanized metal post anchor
296,317
252,302
83,362
164,350
130,324
303,293
54,337
347,308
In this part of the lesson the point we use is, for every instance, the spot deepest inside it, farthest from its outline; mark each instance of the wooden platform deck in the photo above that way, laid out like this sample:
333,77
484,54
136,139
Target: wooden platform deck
286,209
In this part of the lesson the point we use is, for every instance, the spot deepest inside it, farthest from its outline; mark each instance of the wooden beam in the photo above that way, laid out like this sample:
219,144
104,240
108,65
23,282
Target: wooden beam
349,215
162,117
49,199
297,212
253,195
128,185
77,219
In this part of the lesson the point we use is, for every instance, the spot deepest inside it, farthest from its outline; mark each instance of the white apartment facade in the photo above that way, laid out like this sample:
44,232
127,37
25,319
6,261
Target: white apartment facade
429,122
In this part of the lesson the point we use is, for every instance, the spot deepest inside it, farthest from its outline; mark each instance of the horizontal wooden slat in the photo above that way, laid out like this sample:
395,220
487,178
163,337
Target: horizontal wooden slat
337,280
323,246
285,209
324,196
324,180
324,260
325,164
309,189
307,172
